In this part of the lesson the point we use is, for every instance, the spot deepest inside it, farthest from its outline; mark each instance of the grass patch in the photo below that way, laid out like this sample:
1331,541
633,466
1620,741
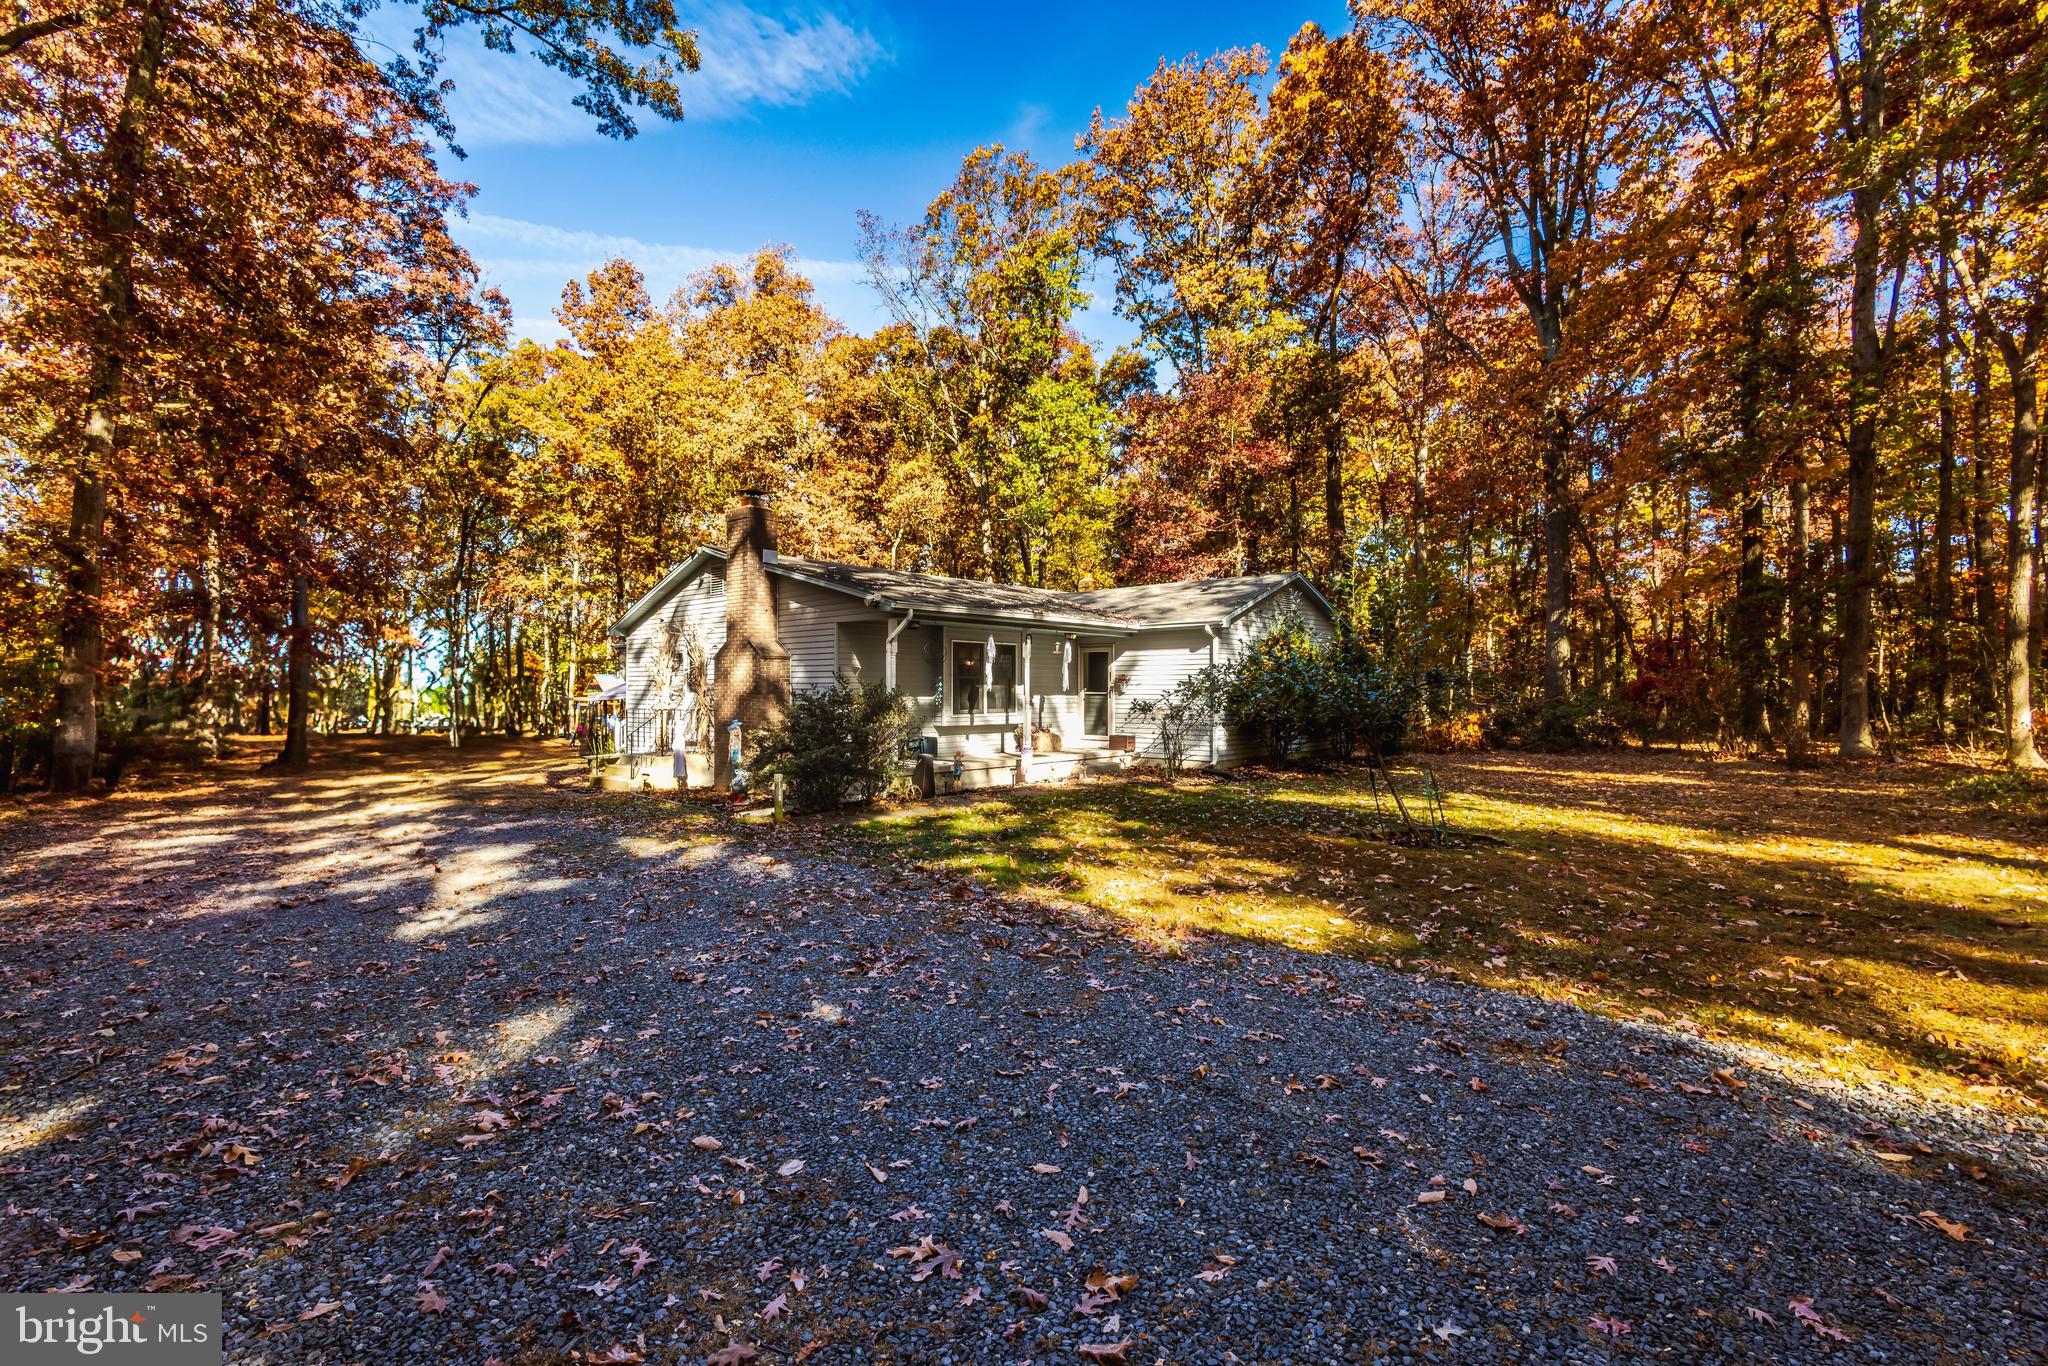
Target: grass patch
1890,923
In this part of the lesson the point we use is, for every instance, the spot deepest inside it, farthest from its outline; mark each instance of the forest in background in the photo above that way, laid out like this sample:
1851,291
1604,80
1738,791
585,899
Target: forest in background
1618,367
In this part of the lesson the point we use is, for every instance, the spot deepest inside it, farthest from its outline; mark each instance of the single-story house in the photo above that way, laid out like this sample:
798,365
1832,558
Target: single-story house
729,629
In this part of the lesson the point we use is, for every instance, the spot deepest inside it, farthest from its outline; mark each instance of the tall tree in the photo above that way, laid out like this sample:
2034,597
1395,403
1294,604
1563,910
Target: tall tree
1170,194
1004,393
1542,107
113,68
1332,175
1863,40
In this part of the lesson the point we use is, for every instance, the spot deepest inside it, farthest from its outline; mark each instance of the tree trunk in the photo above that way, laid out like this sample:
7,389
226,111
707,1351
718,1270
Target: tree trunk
387,690
1984,611
1945,493
458,617
298,675
1860,573
1864,128
81,632
1557,556
1752,606
2022,357
209,709
1752,624
1798,644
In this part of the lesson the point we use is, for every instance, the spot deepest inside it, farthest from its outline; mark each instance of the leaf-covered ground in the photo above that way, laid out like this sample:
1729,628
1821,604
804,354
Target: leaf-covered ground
426,1057
1873,923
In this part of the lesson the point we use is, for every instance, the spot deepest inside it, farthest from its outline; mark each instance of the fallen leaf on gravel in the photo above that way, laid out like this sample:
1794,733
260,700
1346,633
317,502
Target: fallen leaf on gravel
1891,1157
775,1308
1804,1312
878,1173
1953,1229
1113,1286
927,1256
1029,1298
320,1310
1104,1351
731,1354
1603,1266
712,1145
1613,1327
1428,1197
1761,1316
1726,1076
1045,1168
791,1167
430,1300
125,1255
1059,1239
1447,1331
1506,1223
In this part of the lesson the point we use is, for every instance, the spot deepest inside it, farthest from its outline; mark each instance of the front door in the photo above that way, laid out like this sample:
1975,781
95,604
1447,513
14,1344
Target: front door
1095,693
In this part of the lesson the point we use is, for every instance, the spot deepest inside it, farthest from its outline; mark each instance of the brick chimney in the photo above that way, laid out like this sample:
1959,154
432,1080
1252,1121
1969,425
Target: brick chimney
752,680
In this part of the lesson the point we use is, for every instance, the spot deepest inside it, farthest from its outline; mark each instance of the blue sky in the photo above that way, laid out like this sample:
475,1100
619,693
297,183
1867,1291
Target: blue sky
800,118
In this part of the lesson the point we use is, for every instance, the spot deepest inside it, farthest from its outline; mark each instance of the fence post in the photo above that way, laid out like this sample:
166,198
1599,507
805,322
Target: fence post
778,799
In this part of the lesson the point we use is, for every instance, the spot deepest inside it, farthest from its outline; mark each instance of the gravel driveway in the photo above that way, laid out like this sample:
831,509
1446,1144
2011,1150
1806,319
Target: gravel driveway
453,1061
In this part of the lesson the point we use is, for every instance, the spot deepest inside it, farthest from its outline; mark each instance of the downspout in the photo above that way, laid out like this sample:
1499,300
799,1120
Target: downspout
889,649
1215,749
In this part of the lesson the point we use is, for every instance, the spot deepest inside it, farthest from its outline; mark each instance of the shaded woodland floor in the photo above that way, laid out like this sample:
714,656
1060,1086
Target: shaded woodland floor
1868,921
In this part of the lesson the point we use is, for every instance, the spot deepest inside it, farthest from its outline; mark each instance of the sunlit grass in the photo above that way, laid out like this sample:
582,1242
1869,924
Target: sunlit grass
1863,927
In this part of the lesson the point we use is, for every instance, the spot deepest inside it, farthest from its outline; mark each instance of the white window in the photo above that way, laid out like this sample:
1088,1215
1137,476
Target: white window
976,687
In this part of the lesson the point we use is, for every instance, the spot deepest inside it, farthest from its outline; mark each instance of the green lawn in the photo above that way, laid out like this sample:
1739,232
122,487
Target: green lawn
1859,920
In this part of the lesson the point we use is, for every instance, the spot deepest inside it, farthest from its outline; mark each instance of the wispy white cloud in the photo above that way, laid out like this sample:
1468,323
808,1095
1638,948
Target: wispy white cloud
531,262
749,60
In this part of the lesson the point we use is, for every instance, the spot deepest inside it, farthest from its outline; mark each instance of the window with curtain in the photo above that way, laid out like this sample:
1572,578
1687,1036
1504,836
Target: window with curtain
981,686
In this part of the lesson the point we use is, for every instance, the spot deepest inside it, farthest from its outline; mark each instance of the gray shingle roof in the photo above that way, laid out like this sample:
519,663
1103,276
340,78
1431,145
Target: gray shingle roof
1198,602
940,594
1194,600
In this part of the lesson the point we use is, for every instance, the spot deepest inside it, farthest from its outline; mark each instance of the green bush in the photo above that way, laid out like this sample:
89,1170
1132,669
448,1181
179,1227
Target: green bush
1275,690
1292,689
1366,705
835,744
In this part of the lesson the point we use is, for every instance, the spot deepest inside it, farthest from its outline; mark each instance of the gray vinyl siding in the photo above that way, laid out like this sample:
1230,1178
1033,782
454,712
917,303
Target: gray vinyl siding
807,621
700,607
1288,602
1149,666
862,646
